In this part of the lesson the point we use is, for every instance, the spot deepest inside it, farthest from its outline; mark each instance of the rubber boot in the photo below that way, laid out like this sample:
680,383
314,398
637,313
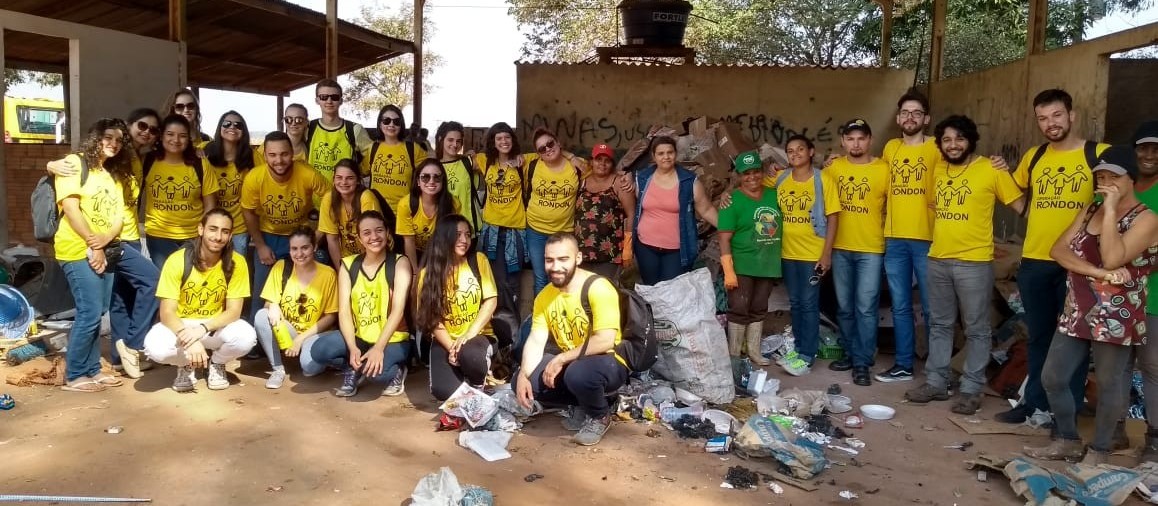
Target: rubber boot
754,335
1121,440
1150,450
1059,449
736,338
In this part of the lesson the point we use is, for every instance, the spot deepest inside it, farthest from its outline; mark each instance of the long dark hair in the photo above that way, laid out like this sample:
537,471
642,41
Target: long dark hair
403,132
196,124
491,150
119,166
194,252
336,198
445,201
439,280
215,150
189,155
440,135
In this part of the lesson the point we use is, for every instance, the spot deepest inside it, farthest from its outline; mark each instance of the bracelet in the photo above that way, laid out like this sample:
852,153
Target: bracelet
205,327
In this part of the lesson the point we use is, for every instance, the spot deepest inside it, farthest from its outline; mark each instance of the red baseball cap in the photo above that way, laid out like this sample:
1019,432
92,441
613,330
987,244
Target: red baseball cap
602,149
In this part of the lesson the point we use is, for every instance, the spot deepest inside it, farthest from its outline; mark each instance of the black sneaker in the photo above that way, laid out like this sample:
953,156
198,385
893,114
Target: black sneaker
897,373
842,364
860,376
1017,415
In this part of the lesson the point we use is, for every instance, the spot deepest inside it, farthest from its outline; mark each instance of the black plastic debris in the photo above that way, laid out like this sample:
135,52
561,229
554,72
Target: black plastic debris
692,427
741,478
834,389
823,425
531,478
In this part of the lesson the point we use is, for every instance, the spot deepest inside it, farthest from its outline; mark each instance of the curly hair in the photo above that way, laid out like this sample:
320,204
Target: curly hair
120,166
440,135
440,267
491,150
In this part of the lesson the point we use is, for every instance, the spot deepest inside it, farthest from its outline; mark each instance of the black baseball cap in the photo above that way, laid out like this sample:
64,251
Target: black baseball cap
855,124
1146,133
1120,160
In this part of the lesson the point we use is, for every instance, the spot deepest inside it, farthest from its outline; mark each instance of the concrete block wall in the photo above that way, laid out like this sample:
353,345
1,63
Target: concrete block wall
25,166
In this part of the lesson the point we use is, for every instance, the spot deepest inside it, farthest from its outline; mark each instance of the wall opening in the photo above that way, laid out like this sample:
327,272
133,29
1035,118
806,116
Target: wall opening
1130,98
35,75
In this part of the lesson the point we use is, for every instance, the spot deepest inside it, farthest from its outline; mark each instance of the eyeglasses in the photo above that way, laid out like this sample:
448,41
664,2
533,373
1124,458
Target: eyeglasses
145,127
179,108
387,121
294,120
302,300
911,114
238,125
430,178
546,147
333,97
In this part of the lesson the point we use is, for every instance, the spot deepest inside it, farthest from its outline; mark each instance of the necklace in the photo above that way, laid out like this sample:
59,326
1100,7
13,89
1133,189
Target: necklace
959,173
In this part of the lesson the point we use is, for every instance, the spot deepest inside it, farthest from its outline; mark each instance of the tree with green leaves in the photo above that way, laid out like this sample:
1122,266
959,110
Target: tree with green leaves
390,82
45,79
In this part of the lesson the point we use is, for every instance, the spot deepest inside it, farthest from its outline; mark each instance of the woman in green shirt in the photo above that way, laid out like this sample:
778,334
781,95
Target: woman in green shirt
750,255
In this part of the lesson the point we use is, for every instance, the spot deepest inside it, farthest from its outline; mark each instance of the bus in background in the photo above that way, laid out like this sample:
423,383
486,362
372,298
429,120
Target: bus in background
34,120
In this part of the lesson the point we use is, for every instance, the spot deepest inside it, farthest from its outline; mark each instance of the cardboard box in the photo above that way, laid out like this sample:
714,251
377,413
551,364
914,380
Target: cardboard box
715,163
700,126
731,140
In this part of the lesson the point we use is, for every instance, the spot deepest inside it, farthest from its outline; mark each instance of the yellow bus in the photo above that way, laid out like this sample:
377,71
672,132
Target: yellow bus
34,120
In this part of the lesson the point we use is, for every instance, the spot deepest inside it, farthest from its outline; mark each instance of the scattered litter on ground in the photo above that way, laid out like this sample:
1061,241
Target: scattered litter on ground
834,389
693,427
654,433
848,495
849,451
488,444
7,402
437,489
761,437
533,477
476,496
741,478
982,475
471,404
854,443
274,488
1104,485
114,429
976,427
823,425
775,488
853,422
721,444
959,446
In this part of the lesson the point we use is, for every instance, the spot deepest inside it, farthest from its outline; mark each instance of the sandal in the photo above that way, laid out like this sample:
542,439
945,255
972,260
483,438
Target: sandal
85,385
108,381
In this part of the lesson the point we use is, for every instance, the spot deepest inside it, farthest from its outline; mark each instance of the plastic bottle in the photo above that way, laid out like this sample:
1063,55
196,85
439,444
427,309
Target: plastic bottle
671,414
281,334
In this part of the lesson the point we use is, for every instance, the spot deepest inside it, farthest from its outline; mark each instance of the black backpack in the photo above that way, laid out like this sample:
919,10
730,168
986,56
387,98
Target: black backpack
348,128
1091,151
638,346
46,215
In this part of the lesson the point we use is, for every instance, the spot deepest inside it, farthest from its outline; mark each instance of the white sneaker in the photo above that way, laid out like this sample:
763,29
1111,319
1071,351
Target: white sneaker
793,364
276,378
130,359
185,380
217,379
397,385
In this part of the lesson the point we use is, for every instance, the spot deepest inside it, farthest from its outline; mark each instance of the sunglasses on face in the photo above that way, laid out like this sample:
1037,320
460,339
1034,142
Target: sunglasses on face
392,121
145,127
179,108
546,147
430,178
333,97
233,124
294,120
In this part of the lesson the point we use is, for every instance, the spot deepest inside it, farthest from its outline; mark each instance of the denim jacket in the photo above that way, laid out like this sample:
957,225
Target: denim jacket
689,242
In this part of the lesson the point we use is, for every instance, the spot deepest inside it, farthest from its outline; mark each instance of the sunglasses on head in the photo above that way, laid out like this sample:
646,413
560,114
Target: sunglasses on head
233,124
430,178
333,97
392,121
179,108
294,120
145,127
546,147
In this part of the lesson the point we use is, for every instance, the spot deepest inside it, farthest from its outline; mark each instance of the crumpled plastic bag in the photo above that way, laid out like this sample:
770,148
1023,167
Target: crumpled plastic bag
761,437
508,401
503,421
437,489
477,496
793,402
471,404
1102,485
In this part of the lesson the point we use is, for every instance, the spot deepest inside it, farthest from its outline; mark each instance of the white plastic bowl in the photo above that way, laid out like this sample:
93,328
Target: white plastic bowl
878,412
723,421
839,404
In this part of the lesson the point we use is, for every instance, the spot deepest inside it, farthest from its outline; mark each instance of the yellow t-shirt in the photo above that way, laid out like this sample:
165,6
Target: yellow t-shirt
862,190
908,214
203,295
562,316
259,155
345,227
417,224
504,205
1062,186
469,293
795,199
458,181
370,302
963,229
130,231
101,203
552,205
302,306
282,207
173,205
391,170
326,148
229,196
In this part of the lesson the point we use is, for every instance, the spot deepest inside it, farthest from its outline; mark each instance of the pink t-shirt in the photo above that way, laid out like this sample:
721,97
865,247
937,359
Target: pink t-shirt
659,223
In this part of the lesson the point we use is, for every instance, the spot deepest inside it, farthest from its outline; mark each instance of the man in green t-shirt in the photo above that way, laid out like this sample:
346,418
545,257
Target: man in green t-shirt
1146,147
750,254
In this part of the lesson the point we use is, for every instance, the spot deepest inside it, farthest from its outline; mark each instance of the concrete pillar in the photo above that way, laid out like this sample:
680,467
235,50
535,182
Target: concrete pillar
332,39
937,46
3,165
419,12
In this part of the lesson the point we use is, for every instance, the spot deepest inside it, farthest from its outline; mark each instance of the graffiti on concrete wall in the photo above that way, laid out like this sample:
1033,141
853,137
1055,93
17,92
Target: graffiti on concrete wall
767,129
590,130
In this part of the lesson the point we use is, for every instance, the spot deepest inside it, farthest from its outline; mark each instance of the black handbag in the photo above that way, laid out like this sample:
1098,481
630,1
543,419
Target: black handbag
114,250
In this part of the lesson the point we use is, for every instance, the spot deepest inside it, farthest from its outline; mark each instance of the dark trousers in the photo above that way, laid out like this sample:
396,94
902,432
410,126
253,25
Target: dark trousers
748,303
474,361
133,306
1043,292
657,264
585,383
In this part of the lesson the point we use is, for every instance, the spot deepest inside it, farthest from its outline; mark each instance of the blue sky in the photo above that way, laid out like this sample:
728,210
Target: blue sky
470,70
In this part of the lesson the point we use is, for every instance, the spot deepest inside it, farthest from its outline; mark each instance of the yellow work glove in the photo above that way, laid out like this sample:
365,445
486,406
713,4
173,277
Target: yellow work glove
627,255
730,280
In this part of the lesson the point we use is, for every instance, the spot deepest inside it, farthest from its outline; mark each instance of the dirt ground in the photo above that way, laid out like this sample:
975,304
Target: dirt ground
302,445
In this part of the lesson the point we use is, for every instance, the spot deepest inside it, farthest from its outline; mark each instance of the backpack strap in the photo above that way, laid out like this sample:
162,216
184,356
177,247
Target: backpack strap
527,182
472,262
819,219
374,152
287,270
410,152
83,169
355,268
1037,154
585,300
783,175
313,126
199,169
146,165
187,251
1091,152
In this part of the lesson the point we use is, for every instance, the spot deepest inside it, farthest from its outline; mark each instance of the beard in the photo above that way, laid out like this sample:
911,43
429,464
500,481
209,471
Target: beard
567,275
912,130
1065,132
959,159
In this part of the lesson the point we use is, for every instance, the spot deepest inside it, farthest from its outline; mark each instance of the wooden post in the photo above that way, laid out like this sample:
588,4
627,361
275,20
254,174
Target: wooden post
280,111
1035,36
937,46
177,22
886,32
332,39
419,13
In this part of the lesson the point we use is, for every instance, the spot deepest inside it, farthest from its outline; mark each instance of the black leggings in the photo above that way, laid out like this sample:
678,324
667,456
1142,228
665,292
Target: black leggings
474,362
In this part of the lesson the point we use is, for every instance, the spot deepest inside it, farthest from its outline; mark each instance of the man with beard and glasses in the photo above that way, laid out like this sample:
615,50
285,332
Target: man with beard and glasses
277,198
1058,182
961,262
1146,149
582,369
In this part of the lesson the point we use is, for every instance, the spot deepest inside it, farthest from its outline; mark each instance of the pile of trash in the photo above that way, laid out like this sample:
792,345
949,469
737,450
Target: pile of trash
442,489
492,419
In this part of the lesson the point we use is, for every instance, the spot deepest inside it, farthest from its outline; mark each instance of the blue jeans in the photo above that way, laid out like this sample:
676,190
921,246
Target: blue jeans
160,249
240,242
90,291
1042,284
330,348
280,246
536,249
133,306
657,265
857,277
903,259
804,301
